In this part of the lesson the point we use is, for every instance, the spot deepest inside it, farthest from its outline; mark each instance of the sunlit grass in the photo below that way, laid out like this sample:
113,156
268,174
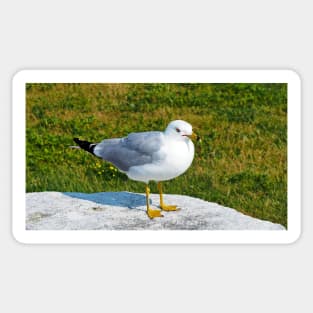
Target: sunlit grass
241,161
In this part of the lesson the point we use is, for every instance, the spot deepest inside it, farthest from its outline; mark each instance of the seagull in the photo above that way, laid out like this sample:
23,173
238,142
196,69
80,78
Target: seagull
149,156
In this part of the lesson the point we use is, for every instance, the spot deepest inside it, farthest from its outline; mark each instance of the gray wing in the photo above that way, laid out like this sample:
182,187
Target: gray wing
135,149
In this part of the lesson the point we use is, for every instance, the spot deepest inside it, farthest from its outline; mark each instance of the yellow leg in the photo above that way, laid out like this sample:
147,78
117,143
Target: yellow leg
151,213
164,206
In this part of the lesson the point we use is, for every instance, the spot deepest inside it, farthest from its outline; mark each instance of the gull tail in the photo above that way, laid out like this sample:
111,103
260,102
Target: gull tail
86,145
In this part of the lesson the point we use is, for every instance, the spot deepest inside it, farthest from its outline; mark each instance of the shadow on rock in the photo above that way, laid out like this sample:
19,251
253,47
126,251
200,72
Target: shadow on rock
120,199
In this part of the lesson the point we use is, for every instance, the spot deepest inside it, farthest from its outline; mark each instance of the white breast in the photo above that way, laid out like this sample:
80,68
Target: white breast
177,158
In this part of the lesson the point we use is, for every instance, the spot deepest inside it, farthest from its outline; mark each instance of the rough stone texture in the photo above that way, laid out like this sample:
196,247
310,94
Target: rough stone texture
127,211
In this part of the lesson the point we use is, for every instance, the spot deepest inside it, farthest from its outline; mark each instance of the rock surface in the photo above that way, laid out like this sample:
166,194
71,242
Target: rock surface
127,211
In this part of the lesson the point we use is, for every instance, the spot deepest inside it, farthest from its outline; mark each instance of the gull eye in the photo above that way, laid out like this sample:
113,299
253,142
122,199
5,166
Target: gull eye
177,129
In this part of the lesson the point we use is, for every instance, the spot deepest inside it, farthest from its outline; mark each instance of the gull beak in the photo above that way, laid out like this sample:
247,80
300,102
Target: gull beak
193,136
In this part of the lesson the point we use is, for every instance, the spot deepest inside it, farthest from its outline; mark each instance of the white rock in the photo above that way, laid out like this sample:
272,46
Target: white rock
127,211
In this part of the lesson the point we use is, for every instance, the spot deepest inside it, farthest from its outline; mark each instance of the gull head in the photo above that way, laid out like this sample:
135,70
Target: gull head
180,130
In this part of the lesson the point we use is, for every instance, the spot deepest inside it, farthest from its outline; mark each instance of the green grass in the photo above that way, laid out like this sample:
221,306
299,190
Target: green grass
241,161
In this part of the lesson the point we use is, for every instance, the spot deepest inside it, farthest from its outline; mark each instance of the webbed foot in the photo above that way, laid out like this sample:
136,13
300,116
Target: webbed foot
154,213
166,207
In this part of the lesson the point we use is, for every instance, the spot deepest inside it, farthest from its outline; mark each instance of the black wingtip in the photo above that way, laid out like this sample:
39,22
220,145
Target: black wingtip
76,140
86,145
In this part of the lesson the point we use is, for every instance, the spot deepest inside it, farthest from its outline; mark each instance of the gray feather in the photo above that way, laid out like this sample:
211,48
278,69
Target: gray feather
135,149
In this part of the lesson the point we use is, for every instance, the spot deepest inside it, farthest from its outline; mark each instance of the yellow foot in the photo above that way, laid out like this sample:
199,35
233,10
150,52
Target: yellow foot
166,207
154,213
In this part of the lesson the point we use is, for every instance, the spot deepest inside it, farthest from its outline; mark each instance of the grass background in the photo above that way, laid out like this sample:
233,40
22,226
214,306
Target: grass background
241,161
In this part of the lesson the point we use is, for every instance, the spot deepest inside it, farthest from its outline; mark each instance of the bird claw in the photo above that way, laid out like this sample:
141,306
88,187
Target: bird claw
166,207
154,213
